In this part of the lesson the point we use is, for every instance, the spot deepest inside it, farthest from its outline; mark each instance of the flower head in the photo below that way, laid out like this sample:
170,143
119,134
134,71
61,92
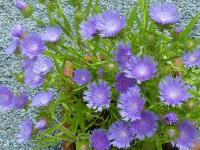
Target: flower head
171,118
123,83
120,134
28,63
146,126
42,99
131,105
52,34
89,28
81,76
32,45
21,5
25,133
6,98
164,14
98,95
20,100
110,23
41,125
192,59
139,68
13,46
173,91
99,140
17,31
188,135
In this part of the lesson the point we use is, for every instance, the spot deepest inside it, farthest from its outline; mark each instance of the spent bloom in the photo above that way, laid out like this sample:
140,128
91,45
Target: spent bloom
21,5
20,101
141,69
173,91
42,99
99,140
6,98
41,125
188,135
120,134
98,95
171,118
32,45
17,31
81,76
146,126
52,34
164,14
110,23
192,59
25,133
13,46
131,104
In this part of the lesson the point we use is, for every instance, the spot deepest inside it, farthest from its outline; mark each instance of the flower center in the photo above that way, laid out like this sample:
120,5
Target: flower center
142,70
173,94
192,58
35,47
112,26
83,78
123,134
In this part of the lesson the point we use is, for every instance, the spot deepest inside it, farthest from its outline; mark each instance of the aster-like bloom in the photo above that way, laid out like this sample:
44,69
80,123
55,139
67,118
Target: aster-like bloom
17,31
171,118
20,101
131,105
6,98
188,135
192,59
52,34
32,45
123,54
41,125
173,91
164,14
81,76
32,79
98,95
25,133
42,65
12,47
141,69
110,23
120,134
146,126
89,28
123,83
42,99
21,5
99,140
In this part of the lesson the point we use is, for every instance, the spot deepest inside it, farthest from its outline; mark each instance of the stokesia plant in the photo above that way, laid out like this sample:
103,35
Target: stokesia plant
122,82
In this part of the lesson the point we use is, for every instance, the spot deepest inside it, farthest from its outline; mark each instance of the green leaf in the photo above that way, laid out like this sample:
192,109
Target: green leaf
132,16
88,7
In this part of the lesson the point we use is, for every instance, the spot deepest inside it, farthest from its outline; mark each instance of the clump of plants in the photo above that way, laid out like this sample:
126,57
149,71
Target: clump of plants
122,82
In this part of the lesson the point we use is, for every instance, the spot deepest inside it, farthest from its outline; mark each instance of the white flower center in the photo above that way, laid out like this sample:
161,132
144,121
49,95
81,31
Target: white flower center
83,78
192,58
142,70
123,134
173,94
35,47
112,26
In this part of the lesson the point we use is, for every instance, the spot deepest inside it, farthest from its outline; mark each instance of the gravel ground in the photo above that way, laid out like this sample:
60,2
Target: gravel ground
9,64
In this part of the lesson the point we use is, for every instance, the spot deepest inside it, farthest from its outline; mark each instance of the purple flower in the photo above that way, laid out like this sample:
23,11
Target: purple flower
32,45
41,125
178,29
20,101
123,83
89,28
146,126
110,23
171,118
6,98
33,79
28,63
42,99
120,134
192,59
13,46
81,76
17,31
52,34
131,105
188,135
25,133
42,65
173,91
98,95
100,72
139,68
123,54
99,140
21,5
164,14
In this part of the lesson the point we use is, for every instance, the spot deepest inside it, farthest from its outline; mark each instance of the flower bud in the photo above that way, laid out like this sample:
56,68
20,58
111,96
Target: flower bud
172,132
68,69
21,5
190,44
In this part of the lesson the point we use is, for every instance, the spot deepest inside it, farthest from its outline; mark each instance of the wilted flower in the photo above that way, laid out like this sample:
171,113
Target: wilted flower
52,34
12,47
120,134
25,133
41,125
192,59
81,76
98,95
171,118
146,126
110,23
32,45
164,14
21,5
20,101
17,31
173,91
139,68
99,140
6,98
42,99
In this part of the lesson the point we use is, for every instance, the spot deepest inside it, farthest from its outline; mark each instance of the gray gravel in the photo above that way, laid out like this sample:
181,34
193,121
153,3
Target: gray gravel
9,64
